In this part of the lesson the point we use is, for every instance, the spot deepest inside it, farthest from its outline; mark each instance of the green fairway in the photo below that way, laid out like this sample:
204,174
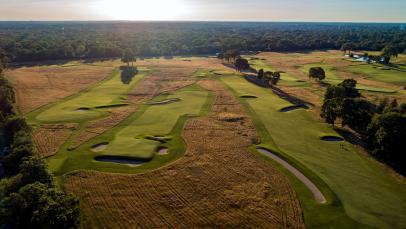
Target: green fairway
380,72
156,121
132,137
86,105
286,78
333,78
369,195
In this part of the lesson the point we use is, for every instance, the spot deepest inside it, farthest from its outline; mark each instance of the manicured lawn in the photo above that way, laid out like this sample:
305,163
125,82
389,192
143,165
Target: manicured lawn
157,120
369,195
105,93
333,78
127,139
380,72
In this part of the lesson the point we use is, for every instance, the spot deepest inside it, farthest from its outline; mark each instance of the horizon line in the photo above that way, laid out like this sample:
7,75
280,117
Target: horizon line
232,21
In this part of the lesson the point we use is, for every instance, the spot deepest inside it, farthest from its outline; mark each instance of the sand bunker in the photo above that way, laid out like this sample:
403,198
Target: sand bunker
248,97
166,101
332,138
318,196
163,151
100,147
121,160
295,107
83,109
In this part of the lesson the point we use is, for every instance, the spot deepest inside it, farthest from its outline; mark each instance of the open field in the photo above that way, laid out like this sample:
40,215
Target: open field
348,173
208,187
40,85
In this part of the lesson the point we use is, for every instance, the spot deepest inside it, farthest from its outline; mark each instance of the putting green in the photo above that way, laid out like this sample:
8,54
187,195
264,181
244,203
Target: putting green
84,105
369,195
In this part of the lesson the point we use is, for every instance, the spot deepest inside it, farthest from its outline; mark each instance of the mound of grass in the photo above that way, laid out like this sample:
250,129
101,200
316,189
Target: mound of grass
369,195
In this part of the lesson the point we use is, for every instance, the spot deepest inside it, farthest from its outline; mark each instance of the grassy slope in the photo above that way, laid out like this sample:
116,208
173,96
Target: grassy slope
380,72
105,93
146,120
368,194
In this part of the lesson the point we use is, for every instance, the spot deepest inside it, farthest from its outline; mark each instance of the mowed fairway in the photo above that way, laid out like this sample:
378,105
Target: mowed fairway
85,105
158,120
379,72
369,195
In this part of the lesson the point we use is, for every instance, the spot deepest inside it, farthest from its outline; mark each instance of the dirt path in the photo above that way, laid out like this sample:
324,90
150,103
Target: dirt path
217,184
318,196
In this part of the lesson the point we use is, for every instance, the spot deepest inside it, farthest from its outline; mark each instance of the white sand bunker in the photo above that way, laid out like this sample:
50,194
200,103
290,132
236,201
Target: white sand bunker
82,109
163,151
100,147
166,101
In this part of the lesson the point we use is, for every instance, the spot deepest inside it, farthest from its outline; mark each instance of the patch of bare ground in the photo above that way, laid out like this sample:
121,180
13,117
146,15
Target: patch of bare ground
99,126
40,85
217,184
49,138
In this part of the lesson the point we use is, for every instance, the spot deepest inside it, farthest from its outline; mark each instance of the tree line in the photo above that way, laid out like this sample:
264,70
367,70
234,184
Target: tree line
35,41
29,197
381,125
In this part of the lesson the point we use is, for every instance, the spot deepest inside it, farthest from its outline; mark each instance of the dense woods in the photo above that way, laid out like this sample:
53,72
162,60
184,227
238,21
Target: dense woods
28,194
29,41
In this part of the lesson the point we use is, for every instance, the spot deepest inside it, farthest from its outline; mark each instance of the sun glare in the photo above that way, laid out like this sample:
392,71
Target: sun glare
142,9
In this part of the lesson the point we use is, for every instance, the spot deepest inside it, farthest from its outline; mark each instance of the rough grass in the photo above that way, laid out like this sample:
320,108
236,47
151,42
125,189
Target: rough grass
37,86
104,94
127,136
368,196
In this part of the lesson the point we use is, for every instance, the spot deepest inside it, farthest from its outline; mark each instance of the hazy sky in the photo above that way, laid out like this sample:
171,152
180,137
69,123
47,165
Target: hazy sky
240,10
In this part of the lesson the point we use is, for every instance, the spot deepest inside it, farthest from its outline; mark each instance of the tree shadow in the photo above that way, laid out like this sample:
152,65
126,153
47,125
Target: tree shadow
128,73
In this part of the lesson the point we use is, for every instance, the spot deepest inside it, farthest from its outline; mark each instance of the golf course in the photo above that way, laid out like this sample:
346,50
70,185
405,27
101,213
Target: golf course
184,129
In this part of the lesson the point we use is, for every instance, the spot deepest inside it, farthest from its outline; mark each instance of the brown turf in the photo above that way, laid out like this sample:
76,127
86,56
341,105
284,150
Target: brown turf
39,86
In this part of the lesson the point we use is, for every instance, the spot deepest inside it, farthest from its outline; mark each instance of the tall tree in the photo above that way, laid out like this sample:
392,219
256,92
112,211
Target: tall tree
388,52
317,73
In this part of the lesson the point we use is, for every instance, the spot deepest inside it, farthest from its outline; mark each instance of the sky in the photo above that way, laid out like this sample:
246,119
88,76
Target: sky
205,10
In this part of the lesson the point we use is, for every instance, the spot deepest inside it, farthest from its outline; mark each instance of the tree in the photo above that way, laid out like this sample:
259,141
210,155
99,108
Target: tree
331,110
317,73
34,169
241,64
357,113
128,57
347,47
38,206
388,52
350,86
386,136
260,74
276,76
